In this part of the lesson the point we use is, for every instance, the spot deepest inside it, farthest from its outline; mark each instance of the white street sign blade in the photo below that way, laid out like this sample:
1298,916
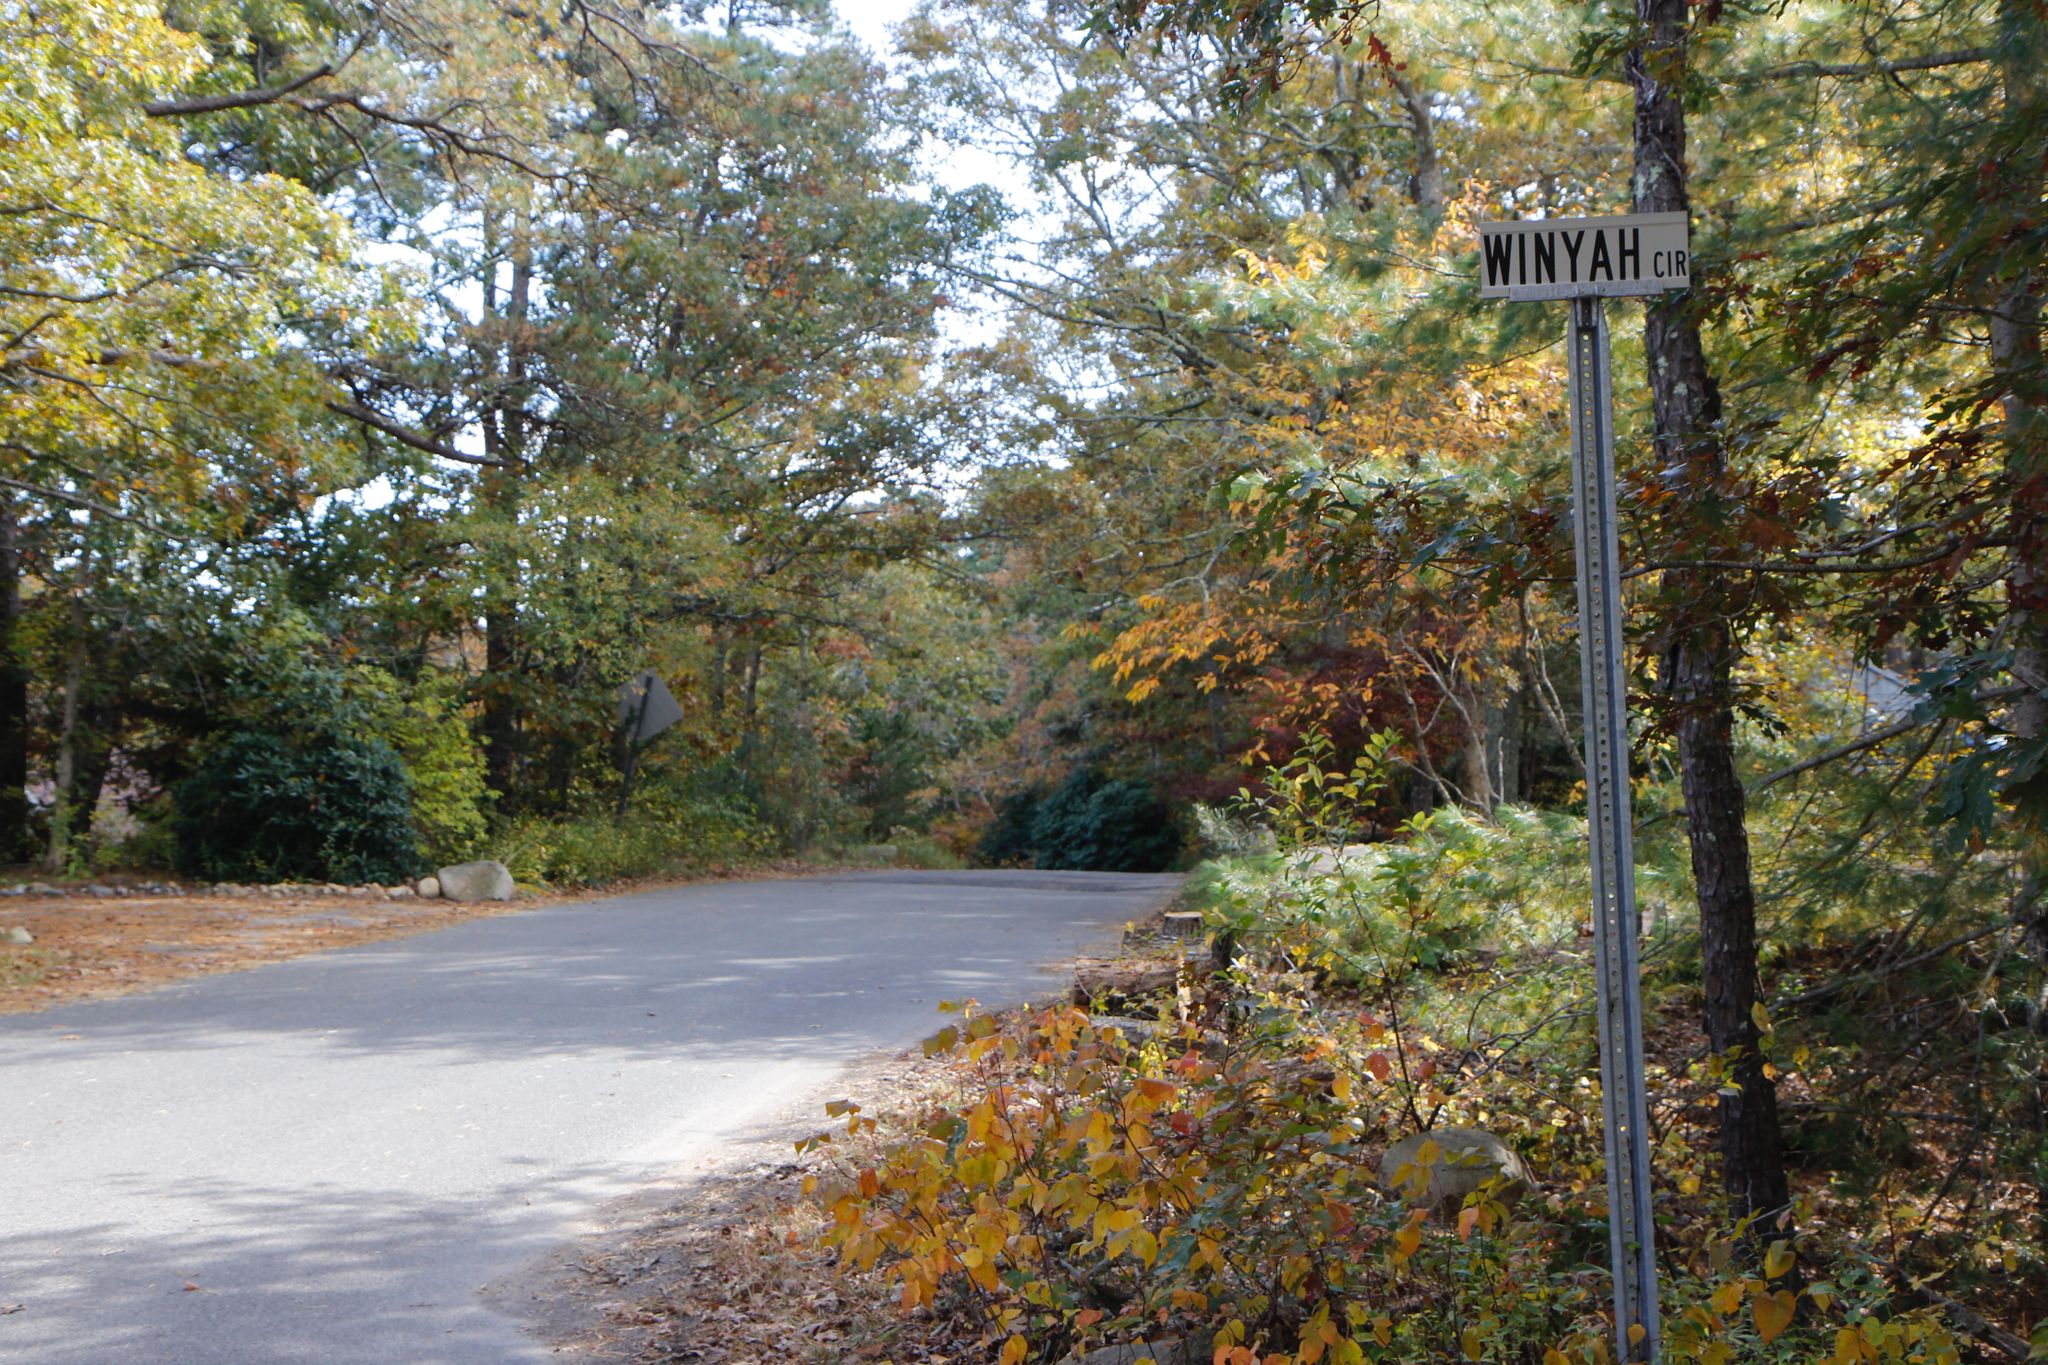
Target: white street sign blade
1565,258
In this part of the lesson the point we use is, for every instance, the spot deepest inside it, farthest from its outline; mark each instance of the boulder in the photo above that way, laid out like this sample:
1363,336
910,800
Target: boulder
1166,1351
1467,1158
1328,861
429,887
18,936
480,881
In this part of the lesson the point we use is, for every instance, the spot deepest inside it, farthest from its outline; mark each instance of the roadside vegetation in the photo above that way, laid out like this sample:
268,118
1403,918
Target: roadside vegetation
383,386
1209,1177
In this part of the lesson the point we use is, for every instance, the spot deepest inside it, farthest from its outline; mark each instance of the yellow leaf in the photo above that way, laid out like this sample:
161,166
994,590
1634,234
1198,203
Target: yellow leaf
1467,1220
1470,1344
1777,1260
1760,1016
1636,1333
1773,1314
1014,1349
1727,1298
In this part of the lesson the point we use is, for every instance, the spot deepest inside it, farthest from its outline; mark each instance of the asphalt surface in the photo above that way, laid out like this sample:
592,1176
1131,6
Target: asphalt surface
326,1159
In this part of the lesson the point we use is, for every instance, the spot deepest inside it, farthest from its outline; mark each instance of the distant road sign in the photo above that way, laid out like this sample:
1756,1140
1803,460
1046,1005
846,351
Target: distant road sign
646,705
1566,258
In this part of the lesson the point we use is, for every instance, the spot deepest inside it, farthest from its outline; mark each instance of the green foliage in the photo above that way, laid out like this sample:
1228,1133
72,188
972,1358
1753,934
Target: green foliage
426,723
669,830
1105,824
1007,841
272,806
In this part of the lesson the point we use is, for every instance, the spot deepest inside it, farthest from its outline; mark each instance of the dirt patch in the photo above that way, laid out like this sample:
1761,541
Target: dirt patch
88,948
723,1268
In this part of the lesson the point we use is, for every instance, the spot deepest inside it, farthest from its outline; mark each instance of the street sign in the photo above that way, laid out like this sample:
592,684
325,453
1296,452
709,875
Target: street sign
646,706
1571,258
1584,260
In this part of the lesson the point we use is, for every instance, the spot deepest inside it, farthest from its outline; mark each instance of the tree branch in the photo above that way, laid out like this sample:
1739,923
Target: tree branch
1851,70
240,99
1872,738
405,435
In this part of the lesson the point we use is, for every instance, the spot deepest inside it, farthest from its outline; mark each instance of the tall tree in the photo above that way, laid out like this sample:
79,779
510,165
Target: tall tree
1701,638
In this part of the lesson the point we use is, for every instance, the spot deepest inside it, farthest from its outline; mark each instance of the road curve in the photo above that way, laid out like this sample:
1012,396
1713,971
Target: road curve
325,1159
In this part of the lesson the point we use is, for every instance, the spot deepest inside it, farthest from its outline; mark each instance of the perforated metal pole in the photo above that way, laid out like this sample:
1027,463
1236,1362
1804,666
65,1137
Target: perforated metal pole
1630,1232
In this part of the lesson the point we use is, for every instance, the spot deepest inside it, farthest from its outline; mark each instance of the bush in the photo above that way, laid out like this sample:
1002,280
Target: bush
264,806
1104,825
667,831
444,763
1007,840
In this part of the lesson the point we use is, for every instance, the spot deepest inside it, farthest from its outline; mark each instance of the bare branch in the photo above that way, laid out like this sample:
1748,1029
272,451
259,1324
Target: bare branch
1870,739
98,508
241,99
1968,56
405,435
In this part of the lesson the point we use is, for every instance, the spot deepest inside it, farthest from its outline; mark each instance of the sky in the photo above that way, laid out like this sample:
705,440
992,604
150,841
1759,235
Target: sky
870,20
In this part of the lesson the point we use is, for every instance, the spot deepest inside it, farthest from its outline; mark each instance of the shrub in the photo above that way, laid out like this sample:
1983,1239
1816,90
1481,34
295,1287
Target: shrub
1007,840
425,723
1088,822
264,806
666,832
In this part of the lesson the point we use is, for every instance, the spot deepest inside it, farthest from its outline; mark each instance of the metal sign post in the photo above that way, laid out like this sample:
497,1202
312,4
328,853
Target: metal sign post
1583,260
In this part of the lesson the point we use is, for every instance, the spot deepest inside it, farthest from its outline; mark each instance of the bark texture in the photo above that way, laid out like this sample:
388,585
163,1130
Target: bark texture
1701,644
505,438
14,825
2015,337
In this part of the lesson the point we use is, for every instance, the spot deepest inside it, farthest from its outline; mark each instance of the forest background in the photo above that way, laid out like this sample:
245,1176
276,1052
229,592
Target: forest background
384,384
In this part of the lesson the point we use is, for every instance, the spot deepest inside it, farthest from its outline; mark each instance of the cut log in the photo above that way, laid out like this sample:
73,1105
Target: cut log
1096,977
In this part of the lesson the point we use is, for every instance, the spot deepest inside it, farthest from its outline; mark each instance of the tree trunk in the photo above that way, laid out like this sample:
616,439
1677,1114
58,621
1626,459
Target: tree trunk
64,808
2015,337
1701,645
505,442
14,824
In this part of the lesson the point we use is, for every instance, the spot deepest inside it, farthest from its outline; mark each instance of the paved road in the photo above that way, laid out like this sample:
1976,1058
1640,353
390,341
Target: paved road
339,1151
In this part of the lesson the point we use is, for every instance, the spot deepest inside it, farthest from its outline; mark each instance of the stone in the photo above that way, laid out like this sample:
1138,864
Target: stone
1468,1159
429,887
480,881
1325,861
13,891
1164,1350
18,936
43,889
399,893
100,891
